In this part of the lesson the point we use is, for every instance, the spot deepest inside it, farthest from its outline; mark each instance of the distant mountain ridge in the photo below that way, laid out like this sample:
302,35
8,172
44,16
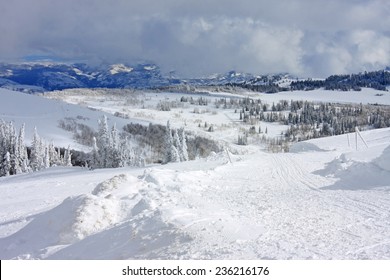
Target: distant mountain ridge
56,76
62,76
40,77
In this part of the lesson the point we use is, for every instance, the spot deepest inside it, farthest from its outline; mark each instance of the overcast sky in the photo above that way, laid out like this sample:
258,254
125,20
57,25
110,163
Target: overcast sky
200,37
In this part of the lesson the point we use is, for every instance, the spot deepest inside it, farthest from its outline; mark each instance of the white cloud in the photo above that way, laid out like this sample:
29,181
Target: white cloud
372,49
276,50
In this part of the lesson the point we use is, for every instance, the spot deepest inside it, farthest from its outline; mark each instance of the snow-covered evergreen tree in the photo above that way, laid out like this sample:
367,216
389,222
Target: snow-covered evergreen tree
103,143
110,151
184,148
116,159
22,152
37,152
12,149
175,154
9,143
95,162
6,166
175,146
13,152
46,158
55,156
68,157
168,144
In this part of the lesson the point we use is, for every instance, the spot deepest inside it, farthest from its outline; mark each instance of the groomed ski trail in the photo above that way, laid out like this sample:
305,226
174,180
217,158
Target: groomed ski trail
272,207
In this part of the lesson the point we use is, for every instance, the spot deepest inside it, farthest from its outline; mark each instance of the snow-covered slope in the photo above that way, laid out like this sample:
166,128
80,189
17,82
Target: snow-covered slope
325,200
45,114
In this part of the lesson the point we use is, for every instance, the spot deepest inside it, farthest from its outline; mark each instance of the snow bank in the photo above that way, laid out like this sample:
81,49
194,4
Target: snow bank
108,186
305,147
384,160
76,218
130,226
123,208
357,171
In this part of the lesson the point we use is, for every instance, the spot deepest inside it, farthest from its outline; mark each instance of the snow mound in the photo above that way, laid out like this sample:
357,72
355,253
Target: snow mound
109,185
384,160
354,174
137,228
123,209
45,230
301,147
150,177
93,215
76,218
145,236
102,209
159,178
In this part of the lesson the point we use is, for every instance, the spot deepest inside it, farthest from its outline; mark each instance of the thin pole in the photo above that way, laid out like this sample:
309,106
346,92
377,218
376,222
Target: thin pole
356,138
361,136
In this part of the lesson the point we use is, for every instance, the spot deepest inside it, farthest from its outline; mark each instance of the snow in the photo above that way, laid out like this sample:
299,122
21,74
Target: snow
45,114
81,73
326,199
120,68
149,68
323,203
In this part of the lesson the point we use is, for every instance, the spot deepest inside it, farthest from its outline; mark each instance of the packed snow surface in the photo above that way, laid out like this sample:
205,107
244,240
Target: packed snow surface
324,200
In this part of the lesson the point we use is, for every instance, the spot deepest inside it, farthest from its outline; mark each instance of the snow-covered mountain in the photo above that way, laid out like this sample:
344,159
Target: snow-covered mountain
52,76
37,77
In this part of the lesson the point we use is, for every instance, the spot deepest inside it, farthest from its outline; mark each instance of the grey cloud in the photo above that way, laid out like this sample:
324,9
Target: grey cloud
304,37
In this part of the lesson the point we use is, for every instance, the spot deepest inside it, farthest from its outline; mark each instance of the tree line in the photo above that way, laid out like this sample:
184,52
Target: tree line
110,148
17,158
312,120
378,80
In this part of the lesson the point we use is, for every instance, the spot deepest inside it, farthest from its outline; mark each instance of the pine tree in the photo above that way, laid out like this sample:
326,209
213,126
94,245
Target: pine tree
68,157
37,153
22,151
13,151
168,141
46,158
109,151
7,164
55,156
177,144
183,147
103,143
115,151
95,161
